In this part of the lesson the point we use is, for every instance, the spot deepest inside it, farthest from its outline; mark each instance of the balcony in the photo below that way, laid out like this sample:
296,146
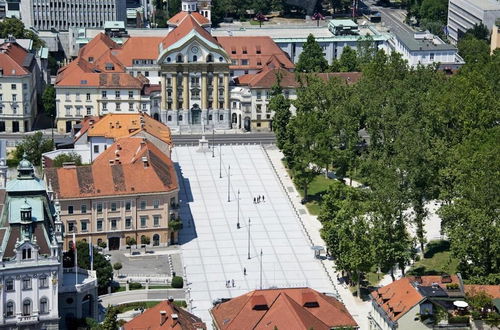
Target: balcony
26,320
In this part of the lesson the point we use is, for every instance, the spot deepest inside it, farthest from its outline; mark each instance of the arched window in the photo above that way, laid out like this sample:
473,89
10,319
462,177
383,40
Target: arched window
210,58
209,117
169,118
179,58
195,58
44,306
156,240
9,309
26,307
180,117
221,117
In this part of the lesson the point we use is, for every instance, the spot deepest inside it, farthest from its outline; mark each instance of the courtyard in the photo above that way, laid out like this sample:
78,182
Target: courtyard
215,250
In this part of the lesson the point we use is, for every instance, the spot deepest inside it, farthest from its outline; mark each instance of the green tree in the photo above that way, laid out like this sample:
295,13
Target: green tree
348,60
145,240
281,108
312,58
117,266
34,146
473,50
110,320
479,31
103,268
15,27
130,241
434,10
71,157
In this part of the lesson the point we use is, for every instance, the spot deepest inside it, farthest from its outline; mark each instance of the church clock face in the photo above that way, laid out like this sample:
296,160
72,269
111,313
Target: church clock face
194,50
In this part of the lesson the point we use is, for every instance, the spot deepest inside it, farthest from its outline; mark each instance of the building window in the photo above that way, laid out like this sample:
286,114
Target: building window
117,94
9,309
169,117
88,97
244,62
84,208
96,149
26,307
84,225
70,209
71,227
43,282
113,224
118,106
130,94
144,220
259,95
89,111
44,306
9,285
128,206
209,117
99,225
179,58
131,106
13,86
104,106
26,254
156,220
27,283
104,94
431,56
128,222
221,117
99,207
113,206
143,205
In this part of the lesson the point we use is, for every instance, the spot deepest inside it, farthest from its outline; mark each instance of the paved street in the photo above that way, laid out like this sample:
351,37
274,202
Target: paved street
141,295
215,251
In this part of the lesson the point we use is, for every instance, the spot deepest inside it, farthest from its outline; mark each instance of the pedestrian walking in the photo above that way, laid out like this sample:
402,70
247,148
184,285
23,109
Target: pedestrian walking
254,200
258,199
263,198
232,282
244,271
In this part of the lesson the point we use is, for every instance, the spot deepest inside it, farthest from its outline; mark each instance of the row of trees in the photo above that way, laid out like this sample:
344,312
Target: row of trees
432,136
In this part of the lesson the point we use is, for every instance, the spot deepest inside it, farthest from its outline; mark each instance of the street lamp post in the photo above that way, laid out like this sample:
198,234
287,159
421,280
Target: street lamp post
248,238
213,143
238,223
229,183
220,162
261,269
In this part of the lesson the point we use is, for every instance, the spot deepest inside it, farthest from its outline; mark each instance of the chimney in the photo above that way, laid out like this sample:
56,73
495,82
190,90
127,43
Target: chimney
170,299
91,122
111,162
145,161
163,317
174,316
69,165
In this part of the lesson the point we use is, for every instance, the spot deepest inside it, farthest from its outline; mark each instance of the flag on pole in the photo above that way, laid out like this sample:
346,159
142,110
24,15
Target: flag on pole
91,254
76,258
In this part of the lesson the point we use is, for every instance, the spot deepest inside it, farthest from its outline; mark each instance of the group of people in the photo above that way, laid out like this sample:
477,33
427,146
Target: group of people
259,199
229,283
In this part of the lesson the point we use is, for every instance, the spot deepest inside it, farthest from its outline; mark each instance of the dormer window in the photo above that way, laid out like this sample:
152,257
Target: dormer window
26,215
26,254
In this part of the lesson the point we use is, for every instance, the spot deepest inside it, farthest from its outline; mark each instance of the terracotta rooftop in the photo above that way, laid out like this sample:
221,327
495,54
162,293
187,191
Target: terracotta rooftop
132,165
179,17
138,48
14,59
188,24
297,308
491,290
173,318
257,50
116,126
96,47
397,298
266,78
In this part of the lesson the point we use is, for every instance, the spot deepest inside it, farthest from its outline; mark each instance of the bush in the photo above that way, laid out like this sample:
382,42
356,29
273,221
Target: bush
102,244
452,286
145,240
177,282
458,319
131,241
135,286
71,157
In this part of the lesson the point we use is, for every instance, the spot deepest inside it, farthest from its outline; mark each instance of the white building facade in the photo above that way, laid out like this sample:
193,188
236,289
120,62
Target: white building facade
45,15
464,14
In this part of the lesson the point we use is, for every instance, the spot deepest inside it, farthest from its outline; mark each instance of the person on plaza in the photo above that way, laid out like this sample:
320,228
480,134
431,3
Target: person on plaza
263,198
258,199
232,282
244,271
254,200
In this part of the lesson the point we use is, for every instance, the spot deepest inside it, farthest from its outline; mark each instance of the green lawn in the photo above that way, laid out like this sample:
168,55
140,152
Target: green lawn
317,188
153,287
437,259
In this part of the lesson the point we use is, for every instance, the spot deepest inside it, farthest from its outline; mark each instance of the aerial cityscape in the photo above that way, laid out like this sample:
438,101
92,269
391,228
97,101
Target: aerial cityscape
250,164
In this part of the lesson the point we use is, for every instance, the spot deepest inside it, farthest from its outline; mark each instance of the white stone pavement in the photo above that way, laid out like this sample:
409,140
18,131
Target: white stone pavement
215,251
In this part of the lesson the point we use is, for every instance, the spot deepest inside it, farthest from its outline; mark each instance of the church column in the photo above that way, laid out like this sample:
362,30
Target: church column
215,92
175,92
226,91
163,92
204,94
185,91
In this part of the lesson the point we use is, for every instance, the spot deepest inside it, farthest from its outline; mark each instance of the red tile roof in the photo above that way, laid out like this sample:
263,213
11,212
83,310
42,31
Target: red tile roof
179,17
491,290
397,298
256,50
187,25
297,308
119,170
152,319
12,58
97,47
138,48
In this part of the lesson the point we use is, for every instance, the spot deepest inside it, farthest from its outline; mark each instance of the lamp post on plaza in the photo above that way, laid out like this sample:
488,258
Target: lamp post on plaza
248,238
238,223
220,162
261,269
229,183
213,143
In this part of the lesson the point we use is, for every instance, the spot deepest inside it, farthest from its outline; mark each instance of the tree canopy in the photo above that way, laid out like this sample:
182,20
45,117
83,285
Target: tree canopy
15,27
34,146
312,58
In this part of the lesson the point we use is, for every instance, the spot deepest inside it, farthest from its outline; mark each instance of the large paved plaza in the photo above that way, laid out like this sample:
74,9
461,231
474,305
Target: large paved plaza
215,250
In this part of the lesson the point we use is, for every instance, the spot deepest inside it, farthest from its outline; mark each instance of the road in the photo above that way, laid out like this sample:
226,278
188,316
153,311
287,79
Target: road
141,295
394,20
252,138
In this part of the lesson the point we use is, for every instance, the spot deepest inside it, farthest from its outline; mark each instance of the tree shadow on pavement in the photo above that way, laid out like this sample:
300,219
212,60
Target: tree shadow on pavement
188,231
